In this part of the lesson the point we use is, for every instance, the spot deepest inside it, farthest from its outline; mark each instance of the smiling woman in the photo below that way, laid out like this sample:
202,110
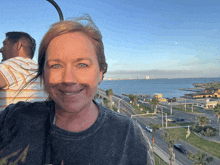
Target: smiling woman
70,128
72,84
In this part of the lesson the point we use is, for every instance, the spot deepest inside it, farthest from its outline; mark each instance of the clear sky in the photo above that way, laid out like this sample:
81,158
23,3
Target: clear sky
159,38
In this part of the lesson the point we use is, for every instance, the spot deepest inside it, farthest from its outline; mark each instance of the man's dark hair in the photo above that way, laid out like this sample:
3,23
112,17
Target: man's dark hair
26,40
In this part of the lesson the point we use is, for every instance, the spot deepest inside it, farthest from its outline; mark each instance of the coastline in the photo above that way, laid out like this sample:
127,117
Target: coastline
113,79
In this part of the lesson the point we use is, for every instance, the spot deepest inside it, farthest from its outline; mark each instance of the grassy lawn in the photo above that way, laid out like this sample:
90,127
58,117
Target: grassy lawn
187,110
205,145
137,109
158,160
179,124
170,124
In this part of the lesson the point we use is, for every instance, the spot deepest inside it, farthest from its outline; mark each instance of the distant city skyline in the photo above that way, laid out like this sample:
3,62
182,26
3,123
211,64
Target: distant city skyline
126,74
159,38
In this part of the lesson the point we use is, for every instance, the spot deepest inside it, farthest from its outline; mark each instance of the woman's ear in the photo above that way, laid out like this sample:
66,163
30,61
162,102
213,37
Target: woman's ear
100,76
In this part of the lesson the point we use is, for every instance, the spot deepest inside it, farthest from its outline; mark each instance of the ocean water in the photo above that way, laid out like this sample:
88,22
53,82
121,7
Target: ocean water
167,87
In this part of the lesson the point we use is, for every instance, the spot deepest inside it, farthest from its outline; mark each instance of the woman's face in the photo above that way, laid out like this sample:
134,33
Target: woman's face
71,72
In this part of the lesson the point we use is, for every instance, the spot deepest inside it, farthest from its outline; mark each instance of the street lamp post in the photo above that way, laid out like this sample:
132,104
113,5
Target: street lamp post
185,104
171,107
166,119
119,106
162,117
219,129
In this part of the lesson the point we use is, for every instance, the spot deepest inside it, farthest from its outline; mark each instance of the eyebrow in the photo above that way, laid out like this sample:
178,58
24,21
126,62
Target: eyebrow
77,60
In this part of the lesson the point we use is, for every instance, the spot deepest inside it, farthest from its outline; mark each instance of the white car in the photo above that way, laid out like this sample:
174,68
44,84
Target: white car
149,129
170,120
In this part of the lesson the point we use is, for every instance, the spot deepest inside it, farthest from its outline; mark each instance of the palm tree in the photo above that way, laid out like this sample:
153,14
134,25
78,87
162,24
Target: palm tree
170,139
202,120
105,101
217,112
151,103
135,99
199,158
131,97
155,102
109,93
154,128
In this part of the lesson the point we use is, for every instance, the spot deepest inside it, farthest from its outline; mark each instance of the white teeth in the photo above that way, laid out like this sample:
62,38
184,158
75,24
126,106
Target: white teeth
72,93
69,93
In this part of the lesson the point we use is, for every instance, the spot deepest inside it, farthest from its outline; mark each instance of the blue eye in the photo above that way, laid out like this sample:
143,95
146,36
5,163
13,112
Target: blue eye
82,65
55,66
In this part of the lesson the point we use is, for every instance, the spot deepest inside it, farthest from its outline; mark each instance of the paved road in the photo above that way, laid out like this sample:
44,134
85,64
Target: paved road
181,158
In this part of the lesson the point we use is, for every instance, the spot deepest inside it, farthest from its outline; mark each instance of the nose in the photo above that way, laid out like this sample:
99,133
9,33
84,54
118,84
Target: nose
69,76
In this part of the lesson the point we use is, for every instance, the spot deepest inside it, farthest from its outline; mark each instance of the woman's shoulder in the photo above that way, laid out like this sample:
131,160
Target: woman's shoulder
28,108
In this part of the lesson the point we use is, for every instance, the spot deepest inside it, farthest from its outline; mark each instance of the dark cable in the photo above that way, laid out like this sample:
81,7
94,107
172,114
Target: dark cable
57,7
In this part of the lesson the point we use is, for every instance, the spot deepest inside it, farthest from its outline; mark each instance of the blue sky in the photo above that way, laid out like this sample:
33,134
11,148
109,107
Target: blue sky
141,37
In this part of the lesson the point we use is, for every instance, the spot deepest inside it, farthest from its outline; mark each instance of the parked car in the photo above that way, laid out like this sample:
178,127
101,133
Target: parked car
171,99
170,120
180,119
180,148
149,129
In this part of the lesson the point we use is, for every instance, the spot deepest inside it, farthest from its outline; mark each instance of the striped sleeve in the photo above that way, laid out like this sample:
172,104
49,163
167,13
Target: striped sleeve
14,71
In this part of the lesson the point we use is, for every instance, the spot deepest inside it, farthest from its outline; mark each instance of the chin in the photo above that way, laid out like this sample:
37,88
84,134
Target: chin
73,107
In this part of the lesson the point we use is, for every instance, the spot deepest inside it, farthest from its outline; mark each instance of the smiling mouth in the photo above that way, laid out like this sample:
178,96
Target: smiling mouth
72,93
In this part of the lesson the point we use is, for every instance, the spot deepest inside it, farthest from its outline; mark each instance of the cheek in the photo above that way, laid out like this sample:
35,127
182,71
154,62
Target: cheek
91,78
52,77
49,80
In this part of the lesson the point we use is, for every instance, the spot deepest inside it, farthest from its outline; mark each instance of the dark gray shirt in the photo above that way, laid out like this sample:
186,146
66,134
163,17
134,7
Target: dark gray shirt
28,136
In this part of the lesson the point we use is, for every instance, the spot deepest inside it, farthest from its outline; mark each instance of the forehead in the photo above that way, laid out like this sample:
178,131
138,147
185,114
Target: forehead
73,44
6,41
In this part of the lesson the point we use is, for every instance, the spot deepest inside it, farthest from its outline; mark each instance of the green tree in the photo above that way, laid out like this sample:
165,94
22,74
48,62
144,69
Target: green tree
135,99
199,158
217,112
106,102
154,128
170,139
110,93
202,120
154,101
131,97
151,104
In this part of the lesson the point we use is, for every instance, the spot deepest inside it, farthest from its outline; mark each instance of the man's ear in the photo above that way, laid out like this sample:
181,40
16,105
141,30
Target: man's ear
18,45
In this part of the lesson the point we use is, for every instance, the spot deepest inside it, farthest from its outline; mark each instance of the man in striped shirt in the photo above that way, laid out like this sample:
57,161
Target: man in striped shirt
17,68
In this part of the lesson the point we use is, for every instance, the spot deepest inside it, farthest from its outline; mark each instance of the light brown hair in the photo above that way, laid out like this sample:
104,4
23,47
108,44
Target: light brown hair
69,26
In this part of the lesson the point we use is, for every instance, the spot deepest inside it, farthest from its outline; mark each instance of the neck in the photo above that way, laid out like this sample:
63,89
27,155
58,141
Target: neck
77,122
23,55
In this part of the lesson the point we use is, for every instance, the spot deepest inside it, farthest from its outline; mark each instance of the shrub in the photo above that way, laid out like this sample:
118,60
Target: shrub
191,156
202,132
209,159
114,108
205,131
197,128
